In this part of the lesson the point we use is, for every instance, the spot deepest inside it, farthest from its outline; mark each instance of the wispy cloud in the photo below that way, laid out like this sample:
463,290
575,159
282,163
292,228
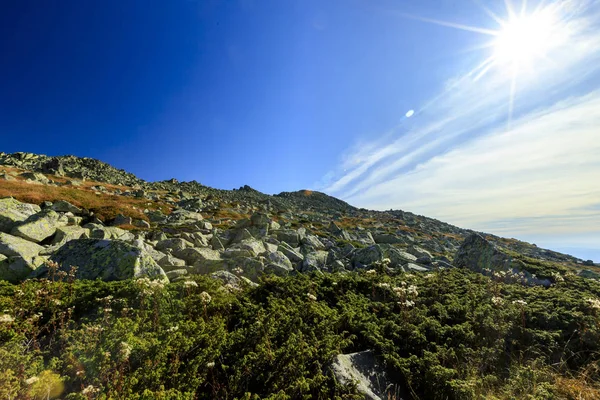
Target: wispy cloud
461,163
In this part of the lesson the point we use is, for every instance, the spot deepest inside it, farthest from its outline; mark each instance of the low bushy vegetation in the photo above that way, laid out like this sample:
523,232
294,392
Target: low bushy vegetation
452,334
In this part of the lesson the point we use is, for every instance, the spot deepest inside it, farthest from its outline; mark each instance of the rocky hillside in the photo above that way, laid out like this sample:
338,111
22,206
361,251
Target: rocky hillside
83,212
114,287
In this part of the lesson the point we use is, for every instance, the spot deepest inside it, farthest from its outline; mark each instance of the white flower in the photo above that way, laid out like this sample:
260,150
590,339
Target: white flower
173,328
89,390
407,303
125,350
595,303
412,290
429,276
311,297
210,365
32,380
190,284
205,297
520,302
371,272
384,285
497,300
6,318
57,302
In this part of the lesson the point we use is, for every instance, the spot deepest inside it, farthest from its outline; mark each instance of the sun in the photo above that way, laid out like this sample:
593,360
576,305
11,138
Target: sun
524,39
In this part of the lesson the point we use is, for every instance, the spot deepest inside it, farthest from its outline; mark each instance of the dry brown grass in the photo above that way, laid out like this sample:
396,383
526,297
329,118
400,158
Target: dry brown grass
576,389
104,206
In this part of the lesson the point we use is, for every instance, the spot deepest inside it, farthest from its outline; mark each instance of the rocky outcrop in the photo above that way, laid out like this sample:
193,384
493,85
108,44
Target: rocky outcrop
107,260
39,226
364,370
13,212
478,254
191,228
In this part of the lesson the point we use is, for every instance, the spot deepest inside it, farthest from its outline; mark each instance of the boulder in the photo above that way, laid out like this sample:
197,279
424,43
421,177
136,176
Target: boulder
363,237
386,238
12,212
291,237
477,254
419,252
108,260
415,267
108,232
290,253
367,256
35,177
65,206
173,244
314,261
39,226
207,261
120,219
16,269
398,257
250,268
65,233
13,246
191,255
278,264
176,274
313,242
254,246
168,262
364,370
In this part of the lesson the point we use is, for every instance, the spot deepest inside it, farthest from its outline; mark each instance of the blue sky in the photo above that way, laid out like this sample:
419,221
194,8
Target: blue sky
284,95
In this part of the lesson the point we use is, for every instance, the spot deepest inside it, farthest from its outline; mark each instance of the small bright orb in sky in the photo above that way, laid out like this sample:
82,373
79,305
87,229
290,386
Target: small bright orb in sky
525,38
410,113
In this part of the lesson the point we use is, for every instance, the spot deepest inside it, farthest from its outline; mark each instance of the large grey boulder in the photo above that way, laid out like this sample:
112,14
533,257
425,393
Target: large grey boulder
207,261
314,261
13,212
98,231
65,206
173,244
477,254
35,177
367,256
364,370
108,260
193,254
293,255
419,252
313,242
278,264
13,246
39,226
480,255
16,269
65,233
363,237
253,246
386,238
289,236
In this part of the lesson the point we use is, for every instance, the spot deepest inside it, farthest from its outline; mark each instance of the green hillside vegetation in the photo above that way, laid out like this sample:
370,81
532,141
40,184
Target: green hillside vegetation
449,334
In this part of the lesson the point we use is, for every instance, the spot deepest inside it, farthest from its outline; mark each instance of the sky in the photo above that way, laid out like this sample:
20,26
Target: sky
483,114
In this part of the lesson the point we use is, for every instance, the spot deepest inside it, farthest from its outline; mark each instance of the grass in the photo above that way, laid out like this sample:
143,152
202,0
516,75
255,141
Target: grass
105,206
